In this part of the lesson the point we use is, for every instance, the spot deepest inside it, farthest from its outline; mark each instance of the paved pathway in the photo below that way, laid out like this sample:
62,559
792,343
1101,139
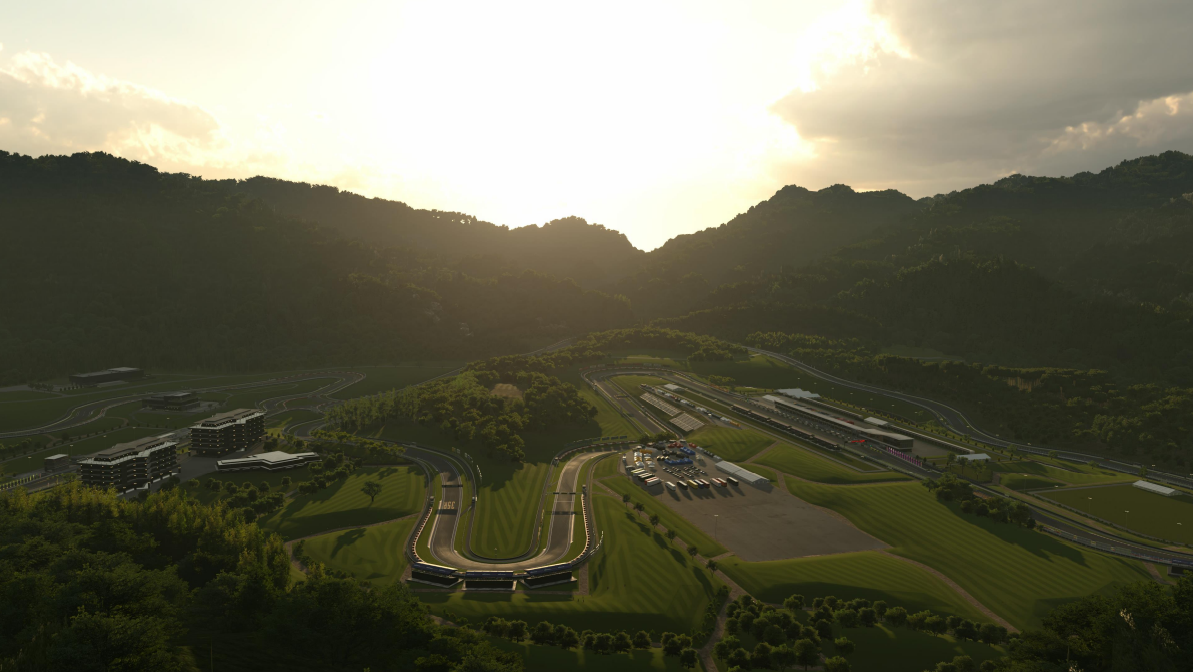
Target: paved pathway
960,591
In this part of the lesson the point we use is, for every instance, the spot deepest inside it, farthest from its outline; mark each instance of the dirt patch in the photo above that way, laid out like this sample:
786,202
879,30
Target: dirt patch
506,390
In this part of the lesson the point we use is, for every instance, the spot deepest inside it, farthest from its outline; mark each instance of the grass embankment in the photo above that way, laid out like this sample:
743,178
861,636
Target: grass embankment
342,504
243,478
735,445
638,581
35,461
385,378
24,395
870,574
374,554
1018,573
667,517
1150,513
796,461
1075,474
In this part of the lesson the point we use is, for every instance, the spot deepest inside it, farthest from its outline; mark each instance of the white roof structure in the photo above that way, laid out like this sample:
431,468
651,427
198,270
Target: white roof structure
269,461
673,387
876,422
797,393
1158,489
975,457
741,474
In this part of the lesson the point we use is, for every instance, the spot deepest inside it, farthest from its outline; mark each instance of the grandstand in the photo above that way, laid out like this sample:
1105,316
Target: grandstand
485,580
686,422
550,575
435,575
660,404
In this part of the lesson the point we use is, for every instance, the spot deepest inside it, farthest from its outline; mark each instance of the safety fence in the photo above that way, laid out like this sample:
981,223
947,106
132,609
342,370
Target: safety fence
1118,550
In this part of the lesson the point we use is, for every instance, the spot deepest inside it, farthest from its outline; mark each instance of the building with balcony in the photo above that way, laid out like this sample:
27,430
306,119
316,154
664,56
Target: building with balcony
227,432
130,465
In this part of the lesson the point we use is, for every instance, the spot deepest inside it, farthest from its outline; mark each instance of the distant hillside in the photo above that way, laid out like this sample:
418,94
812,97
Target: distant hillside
1087,271
791,229
565,248
106,261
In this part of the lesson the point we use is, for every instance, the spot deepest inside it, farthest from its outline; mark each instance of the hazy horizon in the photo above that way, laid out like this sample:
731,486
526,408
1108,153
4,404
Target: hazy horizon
652,120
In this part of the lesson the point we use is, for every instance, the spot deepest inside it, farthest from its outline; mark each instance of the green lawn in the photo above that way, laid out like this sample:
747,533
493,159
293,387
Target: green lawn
403,490
249,398
1074,475
374,554
87,446
1020,482
1020,574
24,395
287,418
870,574
611,422
552,658
805,464
735,445
1150,513
386,378
638,581
667,517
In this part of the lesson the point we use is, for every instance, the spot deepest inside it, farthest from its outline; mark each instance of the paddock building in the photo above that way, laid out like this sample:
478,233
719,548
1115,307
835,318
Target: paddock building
899,441
1158,489
172,401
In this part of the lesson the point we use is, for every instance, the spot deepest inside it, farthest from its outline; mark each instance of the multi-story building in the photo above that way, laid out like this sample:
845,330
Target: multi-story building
172,401
106,376
129,465
226,432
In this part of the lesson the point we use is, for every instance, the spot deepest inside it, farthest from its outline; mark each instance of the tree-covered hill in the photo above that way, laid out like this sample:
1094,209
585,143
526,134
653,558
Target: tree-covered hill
565,248
108,262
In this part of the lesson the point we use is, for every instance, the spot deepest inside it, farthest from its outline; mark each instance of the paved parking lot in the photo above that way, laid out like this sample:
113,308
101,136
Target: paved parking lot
766,523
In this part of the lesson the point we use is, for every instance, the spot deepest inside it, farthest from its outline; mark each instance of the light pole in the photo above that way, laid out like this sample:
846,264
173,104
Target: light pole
1127,519
715,520
1089,508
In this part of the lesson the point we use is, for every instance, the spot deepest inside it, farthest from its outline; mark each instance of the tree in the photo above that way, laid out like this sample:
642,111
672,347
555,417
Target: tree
688,658
935,625
263,486
626,500
844,646
654,519
671,535
836,664
964,664
897,616
604,643
517,631
286,481
622,642
566,638
727,645
806,653
774,635
641,640
371,489
782,658
794,603
638,506
867,616
711,565
732,626
543,633
692,551
847,618
760,656
738,658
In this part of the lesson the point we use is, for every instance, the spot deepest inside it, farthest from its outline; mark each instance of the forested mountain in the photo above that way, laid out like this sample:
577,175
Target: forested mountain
108,262
565,248
1090,271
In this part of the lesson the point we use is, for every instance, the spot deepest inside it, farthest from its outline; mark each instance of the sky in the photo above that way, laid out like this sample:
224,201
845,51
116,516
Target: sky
654,118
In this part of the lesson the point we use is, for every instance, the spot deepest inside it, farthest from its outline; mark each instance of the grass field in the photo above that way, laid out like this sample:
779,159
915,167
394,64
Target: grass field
667,517
1020,574
805,464
287,418
870,574
403,490
24,395
638,581
735,445
552,658
1072,474
1152,514
87,446
374,554
386,378
1020,482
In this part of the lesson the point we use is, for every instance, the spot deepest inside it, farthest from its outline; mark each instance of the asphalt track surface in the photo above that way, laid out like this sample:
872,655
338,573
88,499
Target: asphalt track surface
447,523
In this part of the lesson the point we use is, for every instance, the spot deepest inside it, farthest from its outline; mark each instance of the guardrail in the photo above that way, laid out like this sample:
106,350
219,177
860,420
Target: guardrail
1116,550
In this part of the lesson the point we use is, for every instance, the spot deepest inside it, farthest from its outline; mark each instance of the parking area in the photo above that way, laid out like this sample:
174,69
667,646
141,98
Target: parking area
759,524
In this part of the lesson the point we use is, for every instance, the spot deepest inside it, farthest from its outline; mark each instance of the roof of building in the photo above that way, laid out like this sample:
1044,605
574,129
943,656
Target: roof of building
58,456
129,449
1152,487
107,372
974,457
273,457
798,393
236,415
877,422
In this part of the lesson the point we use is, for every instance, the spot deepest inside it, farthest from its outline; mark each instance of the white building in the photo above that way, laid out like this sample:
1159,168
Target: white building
1158,489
